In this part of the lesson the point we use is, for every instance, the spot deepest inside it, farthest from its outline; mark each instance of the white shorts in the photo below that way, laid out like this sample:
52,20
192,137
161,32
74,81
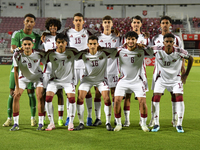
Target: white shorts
54,86
46,77
23,83
124,86
160,86
78,75
112,80
86,86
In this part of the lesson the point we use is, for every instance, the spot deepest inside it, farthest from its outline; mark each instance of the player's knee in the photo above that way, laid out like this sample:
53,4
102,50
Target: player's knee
156,98
106,99
72,99
49,99
179,98
117,99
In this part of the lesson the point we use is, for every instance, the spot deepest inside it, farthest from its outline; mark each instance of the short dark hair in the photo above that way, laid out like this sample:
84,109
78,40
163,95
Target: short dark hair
61,36
30,15
167,18
131,34
79,15
107,18
93,37
52,21
27,38
168,35
136,17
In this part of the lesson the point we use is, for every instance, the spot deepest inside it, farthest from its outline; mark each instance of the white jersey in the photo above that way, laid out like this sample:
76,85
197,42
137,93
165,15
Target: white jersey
131,63
79,41
158,40
169,65
110,41
62,64
95,65
29,65
49,43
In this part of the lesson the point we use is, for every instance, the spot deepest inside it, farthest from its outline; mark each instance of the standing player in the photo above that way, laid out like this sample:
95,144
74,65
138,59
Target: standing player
165,23
131,64
109,40
28,61
136,24
78,39
62,60
94,75
169,62
52,25
16,41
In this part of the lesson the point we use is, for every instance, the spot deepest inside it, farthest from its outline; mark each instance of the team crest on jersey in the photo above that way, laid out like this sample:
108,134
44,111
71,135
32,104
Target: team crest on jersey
139,55
125,55
87,59
24,61
48,40
160,59
158,41
35,61
101,41
71,36
55,59
142,42
174,60
83,35
100,58
114,40
68,57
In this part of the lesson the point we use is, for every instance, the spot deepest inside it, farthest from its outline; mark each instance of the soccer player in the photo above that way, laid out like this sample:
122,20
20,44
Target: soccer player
109,40
169,63
78,39
29,23
52,25
62,60
28,61
165,23
94,75
131,64
136,24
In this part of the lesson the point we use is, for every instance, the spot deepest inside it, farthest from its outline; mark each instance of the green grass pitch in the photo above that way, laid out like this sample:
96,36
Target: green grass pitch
98,138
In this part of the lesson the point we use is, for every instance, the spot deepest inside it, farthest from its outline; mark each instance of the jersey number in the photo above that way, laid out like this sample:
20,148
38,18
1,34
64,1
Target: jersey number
115,78
166,63
63,62
29,65
108,45
77,40
95,63
53,44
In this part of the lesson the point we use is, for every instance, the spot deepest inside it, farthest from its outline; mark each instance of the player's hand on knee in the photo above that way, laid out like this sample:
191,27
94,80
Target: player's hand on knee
16,93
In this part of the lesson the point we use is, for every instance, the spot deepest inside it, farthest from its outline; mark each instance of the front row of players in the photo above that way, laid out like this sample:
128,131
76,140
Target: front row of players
131,56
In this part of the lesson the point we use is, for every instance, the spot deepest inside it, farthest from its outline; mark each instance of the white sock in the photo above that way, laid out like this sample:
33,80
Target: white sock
143,121
72,111
174,111
41,120
118,120
126,115
16,119
89,106
180,112
67,105
60,111
50,111
80,112
107,110
157,112
97,107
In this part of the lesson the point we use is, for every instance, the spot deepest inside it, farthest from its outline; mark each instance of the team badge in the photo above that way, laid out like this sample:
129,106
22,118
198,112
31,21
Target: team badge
114,40
158,41
68,57
125,55
83,35
24,61
35,61
101,41
160,59
87,59
55,59
48,40
174,60
100,58
142,42
139,55
71,36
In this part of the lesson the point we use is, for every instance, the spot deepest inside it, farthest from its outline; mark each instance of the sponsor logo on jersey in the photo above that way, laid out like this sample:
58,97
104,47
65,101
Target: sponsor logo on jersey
158,41
100,58
114,40
68,57
48,40
71,36
24,61
83,35
174,60
142,42
55,59
101,41
125,55
35,61
139,55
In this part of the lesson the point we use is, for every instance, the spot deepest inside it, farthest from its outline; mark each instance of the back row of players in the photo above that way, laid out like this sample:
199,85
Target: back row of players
90,68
